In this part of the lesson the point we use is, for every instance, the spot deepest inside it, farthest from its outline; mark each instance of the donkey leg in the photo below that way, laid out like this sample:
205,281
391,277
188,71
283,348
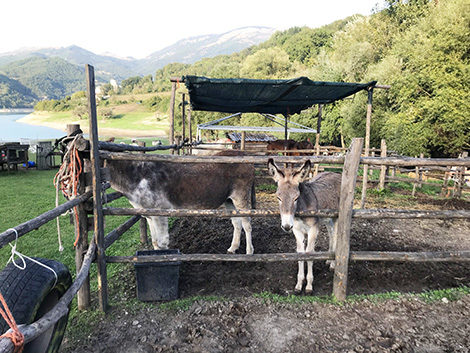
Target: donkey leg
246,222
159,232
311,240
332,227
300,238
237,231
241,204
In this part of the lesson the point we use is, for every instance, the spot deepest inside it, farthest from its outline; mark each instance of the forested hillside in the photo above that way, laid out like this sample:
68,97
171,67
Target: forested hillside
46,77
421,48
14,95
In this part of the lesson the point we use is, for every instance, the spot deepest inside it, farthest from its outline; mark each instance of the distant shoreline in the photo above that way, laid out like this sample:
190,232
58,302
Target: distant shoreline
38,119
17,110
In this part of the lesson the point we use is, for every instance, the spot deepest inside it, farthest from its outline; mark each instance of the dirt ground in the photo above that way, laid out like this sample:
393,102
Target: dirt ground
242,322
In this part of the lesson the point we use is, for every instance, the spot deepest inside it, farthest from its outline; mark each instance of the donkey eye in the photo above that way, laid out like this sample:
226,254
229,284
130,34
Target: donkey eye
278,198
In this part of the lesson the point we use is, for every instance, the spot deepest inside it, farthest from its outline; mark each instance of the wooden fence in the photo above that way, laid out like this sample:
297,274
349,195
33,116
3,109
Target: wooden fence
97,249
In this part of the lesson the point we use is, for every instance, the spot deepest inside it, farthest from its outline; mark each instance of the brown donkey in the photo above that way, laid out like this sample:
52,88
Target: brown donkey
295,195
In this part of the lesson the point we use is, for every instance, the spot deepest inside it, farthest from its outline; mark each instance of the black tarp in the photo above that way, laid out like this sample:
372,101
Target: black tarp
265,96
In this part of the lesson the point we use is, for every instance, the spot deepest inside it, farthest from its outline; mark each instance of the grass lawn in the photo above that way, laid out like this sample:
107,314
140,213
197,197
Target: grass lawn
122,120
28,193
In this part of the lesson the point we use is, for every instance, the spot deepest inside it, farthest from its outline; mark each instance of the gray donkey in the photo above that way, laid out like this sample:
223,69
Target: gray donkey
294,195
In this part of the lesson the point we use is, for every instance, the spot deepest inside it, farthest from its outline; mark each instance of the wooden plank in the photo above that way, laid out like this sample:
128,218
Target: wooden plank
412,162
97,203
9,235
108,198
348,184
438,256
276,257
221,159
224,213
378,161
116,233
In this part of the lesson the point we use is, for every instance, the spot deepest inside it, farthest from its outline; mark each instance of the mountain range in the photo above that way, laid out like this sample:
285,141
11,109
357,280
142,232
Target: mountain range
56,72
33,74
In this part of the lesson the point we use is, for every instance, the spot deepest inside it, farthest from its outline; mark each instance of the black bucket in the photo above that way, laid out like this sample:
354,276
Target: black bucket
157,280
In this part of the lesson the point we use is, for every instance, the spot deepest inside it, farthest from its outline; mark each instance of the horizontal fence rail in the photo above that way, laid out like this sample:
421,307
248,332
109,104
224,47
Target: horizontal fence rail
116,233
219,159
42,219
390,161
222,213
439,256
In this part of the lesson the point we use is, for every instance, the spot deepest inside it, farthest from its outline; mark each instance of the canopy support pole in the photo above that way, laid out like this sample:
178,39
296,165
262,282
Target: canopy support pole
317,137
172,114
370,93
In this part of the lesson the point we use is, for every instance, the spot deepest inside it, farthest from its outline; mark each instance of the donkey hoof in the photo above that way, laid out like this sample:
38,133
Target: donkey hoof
308,291
250,251
230,251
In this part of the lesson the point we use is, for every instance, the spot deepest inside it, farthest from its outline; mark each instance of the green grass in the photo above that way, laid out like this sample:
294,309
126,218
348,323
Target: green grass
450,294
27,194
133,120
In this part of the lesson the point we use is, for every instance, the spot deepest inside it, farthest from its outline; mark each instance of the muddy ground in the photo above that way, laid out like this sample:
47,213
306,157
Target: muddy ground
239,321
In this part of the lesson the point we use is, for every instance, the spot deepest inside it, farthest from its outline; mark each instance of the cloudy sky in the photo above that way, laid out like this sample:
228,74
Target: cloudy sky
137,27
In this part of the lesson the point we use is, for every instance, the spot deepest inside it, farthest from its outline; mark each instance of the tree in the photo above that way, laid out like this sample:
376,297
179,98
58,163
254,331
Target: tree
266,63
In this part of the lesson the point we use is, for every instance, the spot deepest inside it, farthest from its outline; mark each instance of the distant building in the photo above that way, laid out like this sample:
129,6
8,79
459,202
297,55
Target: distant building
114,83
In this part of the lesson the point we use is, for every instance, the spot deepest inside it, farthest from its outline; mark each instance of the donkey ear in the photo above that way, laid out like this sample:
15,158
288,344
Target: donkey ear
273,170
302,173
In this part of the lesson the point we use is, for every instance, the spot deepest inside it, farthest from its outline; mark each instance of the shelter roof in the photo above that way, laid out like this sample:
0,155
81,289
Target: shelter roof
265,96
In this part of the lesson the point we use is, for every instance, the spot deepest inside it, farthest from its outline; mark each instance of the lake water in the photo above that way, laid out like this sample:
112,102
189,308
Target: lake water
11,130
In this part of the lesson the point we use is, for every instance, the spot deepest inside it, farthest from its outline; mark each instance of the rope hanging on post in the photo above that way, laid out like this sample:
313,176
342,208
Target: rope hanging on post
67,180
15,335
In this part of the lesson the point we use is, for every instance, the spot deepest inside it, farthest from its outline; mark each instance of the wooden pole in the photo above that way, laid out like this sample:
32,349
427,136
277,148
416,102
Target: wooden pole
383,169
83,294
317,137
415,184
366,149
461,177
183,118
71,128
143,221
242,143
172,115
437,256
190,131
97,204
285,128
348,184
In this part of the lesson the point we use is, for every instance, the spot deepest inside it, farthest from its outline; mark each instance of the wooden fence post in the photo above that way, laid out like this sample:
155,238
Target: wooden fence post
81,231
97,202
460,177
383,169
183,120
242,142
172,115
366,149
317,137
190,131
348,184
415,184
143,220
